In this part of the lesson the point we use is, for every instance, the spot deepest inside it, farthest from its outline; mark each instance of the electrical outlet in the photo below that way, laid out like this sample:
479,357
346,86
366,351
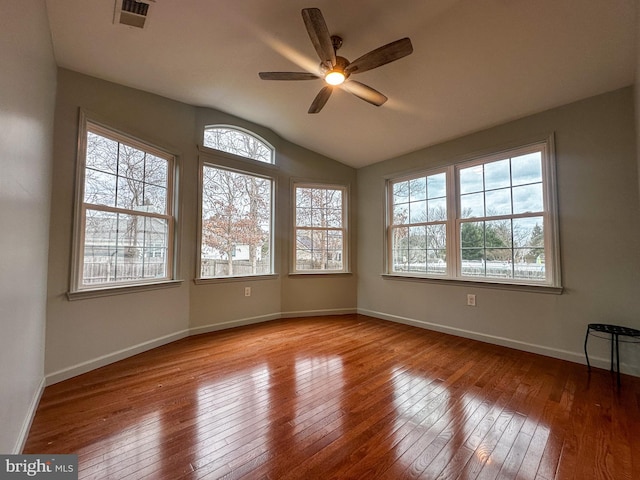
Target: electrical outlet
471,299
247,291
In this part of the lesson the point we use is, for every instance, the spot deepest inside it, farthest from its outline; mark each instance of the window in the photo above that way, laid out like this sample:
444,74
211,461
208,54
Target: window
491,219
320,229
238,142
124,227
236,233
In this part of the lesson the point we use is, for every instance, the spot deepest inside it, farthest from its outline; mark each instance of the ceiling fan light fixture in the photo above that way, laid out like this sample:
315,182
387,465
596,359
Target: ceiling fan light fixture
334,77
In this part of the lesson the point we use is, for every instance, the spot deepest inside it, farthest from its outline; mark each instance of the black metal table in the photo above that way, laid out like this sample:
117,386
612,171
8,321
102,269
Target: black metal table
615,331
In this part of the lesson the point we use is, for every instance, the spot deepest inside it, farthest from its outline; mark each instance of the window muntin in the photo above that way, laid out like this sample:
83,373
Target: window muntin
236,219
320,234
495,222
125,223
238,142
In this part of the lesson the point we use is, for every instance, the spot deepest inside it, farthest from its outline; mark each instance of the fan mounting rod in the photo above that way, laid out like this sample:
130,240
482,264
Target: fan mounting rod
336,41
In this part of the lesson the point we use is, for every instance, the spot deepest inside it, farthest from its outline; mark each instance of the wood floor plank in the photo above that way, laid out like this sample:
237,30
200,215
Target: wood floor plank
341,397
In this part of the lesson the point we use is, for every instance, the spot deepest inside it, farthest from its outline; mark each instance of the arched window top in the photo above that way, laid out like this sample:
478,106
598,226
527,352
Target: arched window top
238,142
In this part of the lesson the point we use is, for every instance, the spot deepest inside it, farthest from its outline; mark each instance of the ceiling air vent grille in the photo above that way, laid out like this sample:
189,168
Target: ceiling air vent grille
133,13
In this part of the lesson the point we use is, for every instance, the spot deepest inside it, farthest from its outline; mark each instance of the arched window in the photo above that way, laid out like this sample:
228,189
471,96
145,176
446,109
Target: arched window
238,142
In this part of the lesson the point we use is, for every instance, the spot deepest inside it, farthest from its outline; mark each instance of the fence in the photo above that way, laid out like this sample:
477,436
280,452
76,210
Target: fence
105,272
220,268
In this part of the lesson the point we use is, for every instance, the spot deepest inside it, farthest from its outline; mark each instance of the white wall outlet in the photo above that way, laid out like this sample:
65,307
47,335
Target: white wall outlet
247,291
471,299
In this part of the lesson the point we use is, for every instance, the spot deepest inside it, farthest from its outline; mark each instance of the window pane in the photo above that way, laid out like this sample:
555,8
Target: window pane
303,197
155,171
417,249
528,232
102,153
528,198
418,212
437,209
436,236
400,192
471,179
99,188
472,235
334,199
472,205
303,217
100,246
437,262
238,142
497,233
155,199
130,194
400,248
526,169
496,175
334,218
236,224
437,185
401,214
131,163
498,202
418,189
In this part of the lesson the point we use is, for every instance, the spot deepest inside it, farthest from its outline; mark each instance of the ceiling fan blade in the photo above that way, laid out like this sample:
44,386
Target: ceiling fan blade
381,56
287,76
319,34
364,92
320,99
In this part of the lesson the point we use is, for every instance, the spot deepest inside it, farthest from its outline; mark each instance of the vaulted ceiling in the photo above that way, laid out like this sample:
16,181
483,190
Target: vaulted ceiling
476,63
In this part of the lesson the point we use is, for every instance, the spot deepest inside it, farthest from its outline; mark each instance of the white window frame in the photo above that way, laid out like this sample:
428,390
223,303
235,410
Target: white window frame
222,162
77,289
552,282
344,229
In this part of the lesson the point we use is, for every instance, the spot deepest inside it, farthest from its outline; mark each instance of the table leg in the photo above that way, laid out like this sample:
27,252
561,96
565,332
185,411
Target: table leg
586,337
612,347
618,358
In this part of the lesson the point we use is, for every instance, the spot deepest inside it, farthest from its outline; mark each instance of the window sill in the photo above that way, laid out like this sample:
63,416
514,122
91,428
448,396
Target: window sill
121,290
319,274
485,284
242,278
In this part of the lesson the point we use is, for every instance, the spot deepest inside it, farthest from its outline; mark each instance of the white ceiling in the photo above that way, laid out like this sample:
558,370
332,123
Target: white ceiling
476,63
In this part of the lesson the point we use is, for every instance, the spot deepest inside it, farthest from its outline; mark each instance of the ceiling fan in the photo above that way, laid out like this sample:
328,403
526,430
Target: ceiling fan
336,70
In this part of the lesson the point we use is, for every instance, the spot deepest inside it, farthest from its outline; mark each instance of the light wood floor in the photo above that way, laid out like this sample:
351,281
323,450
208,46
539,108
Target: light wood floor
342,397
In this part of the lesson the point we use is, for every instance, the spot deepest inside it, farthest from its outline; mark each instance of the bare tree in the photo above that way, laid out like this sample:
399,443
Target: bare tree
235,211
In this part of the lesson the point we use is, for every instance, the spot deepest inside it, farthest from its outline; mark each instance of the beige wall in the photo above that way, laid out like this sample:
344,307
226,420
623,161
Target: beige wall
94,330
599,219
87,333
27,95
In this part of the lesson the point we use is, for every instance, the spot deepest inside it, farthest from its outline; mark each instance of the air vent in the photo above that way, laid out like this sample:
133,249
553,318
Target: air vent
132,13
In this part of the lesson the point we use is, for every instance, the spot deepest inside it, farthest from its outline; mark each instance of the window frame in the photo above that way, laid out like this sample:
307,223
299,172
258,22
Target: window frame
225,161
552,282
346,269
77,290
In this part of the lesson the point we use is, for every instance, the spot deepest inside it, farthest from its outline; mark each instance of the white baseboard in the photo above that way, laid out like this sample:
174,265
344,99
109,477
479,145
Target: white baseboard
89,365
318,313
214,327
28,420
576,357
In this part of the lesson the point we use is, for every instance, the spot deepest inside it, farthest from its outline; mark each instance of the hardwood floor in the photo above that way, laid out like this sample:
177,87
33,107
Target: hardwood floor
342,397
